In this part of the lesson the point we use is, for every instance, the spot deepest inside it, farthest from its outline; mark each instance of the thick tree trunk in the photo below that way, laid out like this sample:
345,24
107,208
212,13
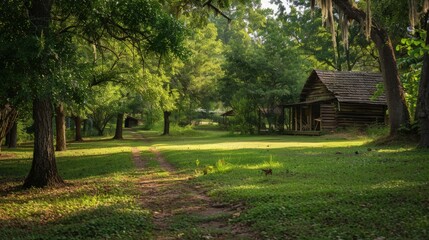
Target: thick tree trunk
43,168
13,136
398,110
60,124
78,128
8,116
423,98
119,126
7,138
166,123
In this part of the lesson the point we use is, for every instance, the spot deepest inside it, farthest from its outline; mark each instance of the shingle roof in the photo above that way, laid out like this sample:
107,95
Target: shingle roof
356,87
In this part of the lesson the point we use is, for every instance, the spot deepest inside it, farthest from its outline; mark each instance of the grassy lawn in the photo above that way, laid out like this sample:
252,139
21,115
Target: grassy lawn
328,187
99,201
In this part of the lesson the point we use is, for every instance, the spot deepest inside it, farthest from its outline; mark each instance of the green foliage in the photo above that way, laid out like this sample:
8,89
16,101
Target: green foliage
263,69
245,119
221,166
315,41
103,106
411,66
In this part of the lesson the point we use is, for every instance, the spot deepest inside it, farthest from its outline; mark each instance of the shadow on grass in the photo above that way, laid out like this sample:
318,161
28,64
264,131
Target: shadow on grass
118,221
71,168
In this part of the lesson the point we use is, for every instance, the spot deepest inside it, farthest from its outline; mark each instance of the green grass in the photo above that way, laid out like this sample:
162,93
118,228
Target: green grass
99,201
320,188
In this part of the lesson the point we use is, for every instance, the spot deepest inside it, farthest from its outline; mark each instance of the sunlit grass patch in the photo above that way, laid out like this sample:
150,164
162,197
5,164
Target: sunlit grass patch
83,209
321,187
99,200
328,187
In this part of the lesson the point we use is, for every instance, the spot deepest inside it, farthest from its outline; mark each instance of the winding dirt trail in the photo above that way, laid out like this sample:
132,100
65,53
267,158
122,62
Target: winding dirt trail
181,210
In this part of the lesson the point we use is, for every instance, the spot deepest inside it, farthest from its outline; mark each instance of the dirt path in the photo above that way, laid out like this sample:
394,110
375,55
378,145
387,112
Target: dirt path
180,209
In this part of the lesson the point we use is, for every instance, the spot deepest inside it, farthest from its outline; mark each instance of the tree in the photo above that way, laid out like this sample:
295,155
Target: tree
8,117
306,29
60,125
398,111
197,75
12,136
35,44
422,112
264,66
423,97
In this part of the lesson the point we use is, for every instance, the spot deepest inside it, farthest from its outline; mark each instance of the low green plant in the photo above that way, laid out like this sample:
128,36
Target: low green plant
221,165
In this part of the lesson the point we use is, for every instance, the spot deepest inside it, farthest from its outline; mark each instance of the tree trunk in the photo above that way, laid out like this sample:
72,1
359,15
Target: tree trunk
100,130
166,123
7,138
43,168
60,124
13,136
281,120
78,128
119,126
85,126
8,116
423,97
398,110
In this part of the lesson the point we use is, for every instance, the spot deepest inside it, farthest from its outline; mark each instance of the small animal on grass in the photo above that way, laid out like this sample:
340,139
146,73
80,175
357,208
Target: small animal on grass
268,171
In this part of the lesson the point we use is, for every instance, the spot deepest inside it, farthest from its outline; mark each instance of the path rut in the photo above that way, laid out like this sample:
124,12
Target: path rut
180,209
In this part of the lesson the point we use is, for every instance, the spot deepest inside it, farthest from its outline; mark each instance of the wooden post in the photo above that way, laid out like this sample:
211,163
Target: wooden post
295,116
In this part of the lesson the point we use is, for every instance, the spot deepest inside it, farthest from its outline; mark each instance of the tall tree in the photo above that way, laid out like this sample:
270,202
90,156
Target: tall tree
422,112
264,66
423,97
306,29
197,76
60,127
36,44
8,116
398,111
43,169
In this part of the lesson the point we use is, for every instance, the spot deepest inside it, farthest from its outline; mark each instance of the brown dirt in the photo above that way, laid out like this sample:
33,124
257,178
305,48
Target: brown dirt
6,155
180,209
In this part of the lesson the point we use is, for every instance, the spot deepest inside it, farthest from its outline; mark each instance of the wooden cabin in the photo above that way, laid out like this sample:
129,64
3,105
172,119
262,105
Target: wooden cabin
131,122
331,100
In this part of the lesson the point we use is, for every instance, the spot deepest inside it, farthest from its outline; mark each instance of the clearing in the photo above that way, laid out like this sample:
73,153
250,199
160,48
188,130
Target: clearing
209,185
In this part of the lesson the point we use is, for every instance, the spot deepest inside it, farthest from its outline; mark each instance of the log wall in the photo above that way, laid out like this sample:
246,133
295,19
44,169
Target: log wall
328,116
359,115
316,91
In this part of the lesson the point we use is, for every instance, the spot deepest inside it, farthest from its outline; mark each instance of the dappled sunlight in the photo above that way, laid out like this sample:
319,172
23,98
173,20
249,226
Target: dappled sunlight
396,150
258,145
246,187
397,184
80,203
261,166
15,155
92,151
322,180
